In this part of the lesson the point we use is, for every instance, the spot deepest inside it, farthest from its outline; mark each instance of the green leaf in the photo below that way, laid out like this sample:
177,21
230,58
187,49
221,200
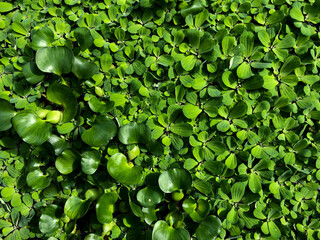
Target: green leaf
296,14
134,133
162,230
227,45
275,17
274,230
254,183
149,196
32,73
229,79
209,228
105,207
182,129
166,60
83,69
42,38
188,62
90,161
289,65
247,39
49,220
253,83
237,191
191,111
67,161
264,38
231,161
200,18
83,37
239,109
19,28
5,7
63,95
31,128
195,8
7,112
57,60
122,171
103,130
244,71
76,208
37,181
223,126
175,179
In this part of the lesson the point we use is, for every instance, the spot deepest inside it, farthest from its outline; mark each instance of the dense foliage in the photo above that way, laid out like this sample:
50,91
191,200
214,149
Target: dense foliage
160,120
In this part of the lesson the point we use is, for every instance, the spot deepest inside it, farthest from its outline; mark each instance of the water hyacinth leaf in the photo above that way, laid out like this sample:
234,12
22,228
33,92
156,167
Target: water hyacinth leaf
31,128
42,38
76,208
67,161
134,133
162,230
57,60
209,228
63,95
7,112
37,180
188,62
195,8
175,179
122,171
83,69
103,130
105,207
90,161
32,73
149,196
49,220
83,37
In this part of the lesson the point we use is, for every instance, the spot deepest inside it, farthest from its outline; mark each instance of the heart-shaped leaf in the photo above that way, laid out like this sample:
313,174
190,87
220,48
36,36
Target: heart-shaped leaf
149,196
84,69
209,228
76,208
175,179
134,133
105,207
103,130
67,161
37,180
42,38
31,128
122,171
90,161
162,230
62,95
57,60
32,73
49,221
7,112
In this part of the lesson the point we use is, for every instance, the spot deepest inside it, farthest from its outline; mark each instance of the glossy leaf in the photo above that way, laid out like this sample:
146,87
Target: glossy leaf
7,112
105,207
134,133
175,179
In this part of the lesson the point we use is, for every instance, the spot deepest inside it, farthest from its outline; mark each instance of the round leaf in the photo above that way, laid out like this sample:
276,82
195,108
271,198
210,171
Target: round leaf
103,130
31,128
37,181
67,161
6,114
105,207
149,197
90,161
42,38
209,228
175,179
163,231
49,221
62,95
57,60
84,69
122,171
76,208
134,133
32,73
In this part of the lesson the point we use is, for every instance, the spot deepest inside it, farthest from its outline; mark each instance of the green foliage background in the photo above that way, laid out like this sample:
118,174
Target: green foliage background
124,119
